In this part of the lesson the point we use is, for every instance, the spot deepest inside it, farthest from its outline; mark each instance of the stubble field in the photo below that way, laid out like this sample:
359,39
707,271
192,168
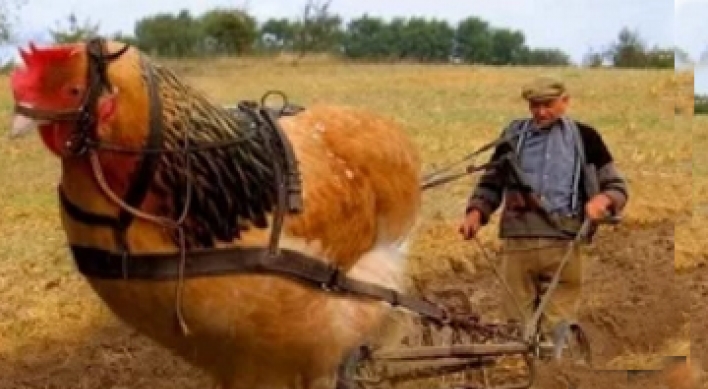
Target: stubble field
644,283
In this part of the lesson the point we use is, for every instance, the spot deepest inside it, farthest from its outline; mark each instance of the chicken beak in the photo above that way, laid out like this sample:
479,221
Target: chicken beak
22,125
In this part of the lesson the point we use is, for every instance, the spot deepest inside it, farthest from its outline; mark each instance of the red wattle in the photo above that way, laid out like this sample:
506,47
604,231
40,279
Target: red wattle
54,137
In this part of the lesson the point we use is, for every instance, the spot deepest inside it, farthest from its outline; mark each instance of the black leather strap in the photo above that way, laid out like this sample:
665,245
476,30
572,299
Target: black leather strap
99,263
145,170
293,184
83,216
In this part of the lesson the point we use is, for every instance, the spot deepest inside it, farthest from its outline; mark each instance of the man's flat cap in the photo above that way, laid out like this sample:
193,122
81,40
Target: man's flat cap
543,88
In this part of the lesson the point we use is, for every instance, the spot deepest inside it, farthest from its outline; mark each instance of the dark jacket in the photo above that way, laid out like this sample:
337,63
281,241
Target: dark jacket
521,217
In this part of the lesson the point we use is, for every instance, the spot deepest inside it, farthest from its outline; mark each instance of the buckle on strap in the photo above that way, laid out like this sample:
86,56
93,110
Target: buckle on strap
333,282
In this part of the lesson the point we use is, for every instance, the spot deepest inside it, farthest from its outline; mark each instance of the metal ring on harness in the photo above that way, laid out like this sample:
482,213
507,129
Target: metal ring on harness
275,92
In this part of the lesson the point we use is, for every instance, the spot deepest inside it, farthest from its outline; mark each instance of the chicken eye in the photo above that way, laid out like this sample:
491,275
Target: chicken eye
75,91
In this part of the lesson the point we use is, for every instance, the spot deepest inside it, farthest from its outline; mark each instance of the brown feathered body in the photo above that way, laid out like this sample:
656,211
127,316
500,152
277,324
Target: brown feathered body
684,374
360,180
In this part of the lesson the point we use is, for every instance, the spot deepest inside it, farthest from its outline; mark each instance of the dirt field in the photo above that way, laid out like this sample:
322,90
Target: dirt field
645,278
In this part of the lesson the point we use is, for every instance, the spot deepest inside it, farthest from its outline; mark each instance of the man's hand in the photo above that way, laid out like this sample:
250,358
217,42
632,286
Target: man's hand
471,224
597,207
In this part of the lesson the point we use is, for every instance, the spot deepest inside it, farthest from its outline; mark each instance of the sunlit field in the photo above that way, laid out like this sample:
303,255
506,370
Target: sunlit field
54,333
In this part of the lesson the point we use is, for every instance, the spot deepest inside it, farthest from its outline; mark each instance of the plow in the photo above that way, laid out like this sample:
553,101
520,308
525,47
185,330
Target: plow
461,346
469,351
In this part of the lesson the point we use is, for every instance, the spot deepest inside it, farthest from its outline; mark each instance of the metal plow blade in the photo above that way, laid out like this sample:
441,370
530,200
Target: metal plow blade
446,367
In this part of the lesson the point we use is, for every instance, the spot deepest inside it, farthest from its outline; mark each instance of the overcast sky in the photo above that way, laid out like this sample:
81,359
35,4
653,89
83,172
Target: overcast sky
691,31
700,79
692,35
574,26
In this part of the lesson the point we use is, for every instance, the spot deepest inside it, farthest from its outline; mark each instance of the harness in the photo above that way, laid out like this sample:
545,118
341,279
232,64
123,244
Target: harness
123,264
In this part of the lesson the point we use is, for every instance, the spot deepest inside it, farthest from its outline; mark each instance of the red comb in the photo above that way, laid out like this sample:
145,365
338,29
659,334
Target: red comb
38,61
41,57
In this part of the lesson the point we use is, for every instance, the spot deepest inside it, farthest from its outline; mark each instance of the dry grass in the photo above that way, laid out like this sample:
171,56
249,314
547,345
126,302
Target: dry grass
448,110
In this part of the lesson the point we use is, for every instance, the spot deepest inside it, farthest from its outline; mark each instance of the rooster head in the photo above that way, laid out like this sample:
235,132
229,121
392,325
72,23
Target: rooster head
52,81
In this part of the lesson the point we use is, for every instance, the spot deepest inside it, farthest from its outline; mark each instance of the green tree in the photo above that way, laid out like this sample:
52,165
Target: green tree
121,37
319,30
169,35
700,104
543,57
628,51
594,59
229,31
74,32
474,40
427,40
414,38
507,46
277,34
660,58
368,37
395,33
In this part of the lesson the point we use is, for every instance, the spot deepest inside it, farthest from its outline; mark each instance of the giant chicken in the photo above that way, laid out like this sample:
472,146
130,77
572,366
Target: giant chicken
156,178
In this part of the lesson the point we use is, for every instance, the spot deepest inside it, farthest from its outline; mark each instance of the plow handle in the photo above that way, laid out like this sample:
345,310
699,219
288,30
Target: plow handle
611,219
531,326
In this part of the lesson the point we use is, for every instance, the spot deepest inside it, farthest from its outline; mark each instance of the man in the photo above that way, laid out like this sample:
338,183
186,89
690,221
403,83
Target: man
557,159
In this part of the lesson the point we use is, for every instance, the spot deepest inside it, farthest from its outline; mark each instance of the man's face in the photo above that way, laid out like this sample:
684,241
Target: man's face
548,111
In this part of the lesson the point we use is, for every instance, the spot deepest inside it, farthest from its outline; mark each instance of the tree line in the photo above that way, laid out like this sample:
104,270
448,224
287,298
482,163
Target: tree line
700,105
233,31
629,51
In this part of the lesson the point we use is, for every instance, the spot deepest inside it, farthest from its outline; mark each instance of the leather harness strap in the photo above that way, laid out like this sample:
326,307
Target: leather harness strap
148,163
292,175
291,264
89,218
